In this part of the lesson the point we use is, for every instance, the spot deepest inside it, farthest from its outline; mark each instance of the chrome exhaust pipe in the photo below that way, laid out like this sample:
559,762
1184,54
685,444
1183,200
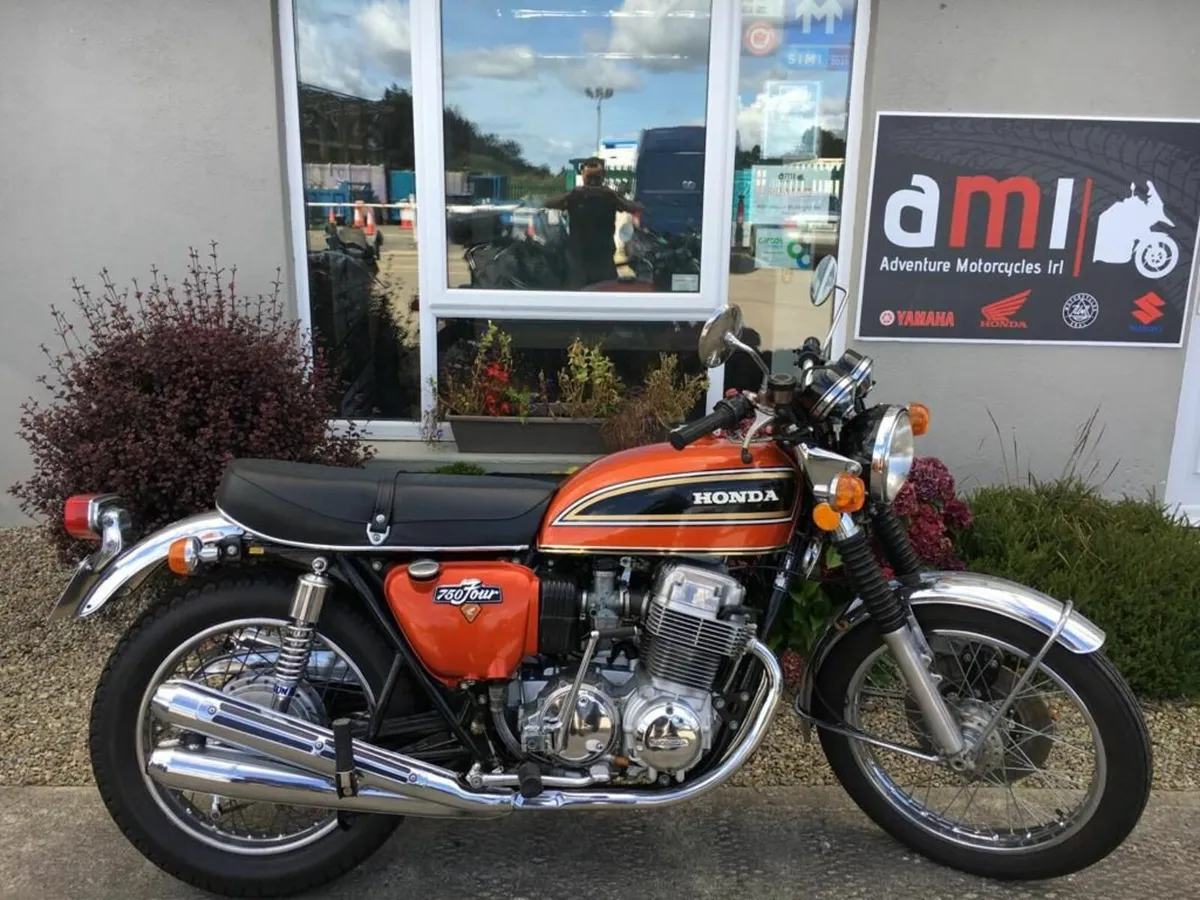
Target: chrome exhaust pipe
300,744
300,766
233,773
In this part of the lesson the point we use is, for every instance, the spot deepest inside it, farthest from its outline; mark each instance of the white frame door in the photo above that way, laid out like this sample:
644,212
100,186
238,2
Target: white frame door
439,300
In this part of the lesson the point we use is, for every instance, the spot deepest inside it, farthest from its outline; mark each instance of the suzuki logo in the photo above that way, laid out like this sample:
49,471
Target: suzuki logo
999,313
1149,308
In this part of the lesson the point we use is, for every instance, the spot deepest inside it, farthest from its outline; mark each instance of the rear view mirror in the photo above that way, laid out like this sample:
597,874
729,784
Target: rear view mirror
713,347
824,281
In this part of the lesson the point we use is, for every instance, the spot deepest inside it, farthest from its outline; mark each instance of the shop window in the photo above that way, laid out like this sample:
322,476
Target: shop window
355,106
793,103
574,144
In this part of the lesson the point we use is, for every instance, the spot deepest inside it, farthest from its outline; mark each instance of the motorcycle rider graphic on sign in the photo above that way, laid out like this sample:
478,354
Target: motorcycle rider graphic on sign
1124,232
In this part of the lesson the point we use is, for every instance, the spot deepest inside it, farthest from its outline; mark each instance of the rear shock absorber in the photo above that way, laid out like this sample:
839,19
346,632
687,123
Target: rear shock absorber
311,588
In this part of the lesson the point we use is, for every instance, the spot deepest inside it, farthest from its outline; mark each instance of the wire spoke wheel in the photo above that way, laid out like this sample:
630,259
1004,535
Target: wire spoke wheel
238,658
1038,776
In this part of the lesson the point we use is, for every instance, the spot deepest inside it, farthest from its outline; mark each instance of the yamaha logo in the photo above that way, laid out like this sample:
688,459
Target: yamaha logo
469,590
725,498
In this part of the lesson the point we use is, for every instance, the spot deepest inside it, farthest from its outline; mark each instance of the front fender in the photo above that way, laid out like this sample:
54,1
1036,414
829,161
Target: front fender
95,583
985,592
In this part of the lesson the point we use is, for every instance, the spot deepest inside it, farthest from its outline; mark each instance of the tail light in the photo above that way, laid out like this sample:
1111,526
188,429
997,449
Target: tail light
81,515
77,517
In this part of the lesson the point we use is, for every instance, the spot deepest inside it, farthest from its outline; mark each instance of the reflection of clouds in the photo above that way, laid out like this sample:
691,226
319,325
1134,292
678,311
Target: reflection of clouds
662,34
750,118
641,35
517,61
322,61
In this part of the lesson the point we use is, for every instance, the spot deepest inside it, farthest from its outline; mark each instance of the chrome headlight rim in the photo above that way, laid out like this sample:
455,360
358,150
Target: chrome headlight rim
886,465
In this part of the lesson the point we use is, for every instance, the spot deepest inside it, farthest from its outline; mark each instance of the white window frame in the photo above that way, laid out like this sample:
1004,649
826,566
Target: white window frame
439,300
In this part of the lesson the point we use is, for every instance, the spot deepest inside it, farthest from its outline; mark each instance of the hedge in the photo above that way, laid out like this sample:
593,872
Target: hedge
1128,565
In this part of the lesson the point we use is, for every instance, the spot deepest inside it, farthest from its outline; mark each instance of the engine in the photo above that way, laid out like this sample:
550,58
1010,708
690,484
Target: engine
644,708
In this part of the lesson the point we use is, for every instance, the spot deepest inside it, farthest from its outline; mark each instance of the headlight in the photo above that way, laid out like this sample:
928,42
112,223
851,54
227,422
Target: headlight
892,453
884,435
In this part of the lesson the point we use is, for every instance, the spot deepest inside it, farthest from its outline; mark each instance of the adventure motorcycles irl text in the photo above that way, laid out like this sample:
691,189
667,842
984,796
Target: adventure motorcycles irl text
347,647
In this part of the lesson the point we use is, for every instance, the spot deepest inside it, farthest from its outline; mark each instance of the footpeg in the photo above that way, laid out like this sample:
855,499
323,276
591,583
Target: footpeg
345,778
529,780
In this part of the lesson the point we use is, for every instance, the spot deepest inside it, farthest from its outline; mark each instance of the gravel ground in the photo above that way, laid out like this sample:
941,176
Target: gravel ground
48,671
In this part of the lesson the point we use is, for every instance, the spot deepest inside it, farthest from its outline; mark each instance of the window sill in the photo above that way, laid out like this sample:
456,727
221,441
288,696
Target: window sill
419,456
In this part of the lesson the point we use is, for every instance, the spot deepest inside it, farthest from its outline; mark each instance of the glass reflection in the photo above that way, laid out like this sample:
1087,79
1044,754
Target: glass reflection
356,133
793,95
540,194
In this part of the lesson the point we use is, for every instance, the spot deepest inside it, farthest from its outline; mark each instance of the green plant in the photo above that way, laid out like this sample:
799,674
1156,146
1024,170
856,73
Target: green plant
664,400
589,387
155,390
1127,564
484,386
460,468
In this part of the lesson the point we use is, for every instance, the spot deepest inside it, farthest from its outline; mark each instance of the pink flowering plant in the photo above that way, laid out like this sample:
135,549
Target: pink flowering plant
935,515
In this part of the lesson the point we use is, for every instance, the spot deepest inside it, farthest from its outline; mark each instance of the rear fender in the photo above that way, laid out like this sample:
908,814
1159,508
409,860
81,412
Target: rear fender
96,582
971,591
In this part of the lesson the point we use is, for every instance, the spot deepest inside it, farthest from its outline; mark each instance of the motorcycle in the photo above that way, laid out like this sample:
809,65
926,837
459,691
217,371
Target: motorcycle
1125,231
346,647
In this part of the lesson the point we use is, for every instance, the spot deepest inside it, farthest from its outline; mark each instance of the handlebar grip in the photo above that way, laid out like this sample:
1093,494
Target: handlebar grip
727,414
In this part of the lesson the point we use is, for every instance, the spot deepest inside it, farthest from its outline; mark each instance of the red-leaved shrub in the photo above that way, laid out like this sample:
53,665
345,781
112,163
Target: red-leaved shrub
159,388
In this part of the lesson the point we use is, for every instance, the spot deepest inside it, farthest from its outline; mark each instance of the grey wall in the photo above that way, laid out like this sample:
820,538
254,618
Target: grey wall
129,131
1099,57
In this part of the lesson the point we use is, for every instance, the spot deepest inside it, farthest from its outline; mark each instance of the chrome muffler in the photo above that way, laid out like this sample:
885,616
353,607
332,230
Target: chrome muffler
300,767
389,782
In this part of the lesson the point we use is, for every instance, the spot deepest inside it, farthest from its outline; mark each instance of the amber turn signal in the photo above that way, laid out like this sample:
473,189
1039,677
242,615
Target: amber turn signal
918,416
183,556
826,517
849,494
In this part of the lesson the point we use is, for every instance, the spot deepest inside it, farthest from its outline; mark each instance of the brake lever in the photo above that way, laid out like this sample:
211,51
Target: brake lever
761,421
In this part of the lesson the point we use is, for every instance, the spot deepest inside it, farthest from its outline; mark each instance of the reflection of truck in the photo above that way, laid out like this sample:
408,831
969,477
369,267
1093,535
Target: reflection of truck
669,178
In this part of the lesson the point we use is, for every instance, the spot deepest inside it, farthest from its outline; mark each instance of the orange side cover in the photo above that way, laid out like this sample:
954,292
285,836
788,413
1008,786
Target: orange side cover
474,620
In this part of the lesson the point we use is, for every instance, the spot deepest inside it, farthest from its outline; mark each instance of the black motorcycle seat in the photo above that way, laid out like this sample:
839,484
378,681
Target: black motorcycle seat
328,507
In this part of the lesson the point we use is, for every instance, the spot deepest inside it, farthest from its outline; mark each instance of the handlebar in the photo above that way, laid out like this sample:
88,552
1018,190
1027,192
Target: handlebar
726,414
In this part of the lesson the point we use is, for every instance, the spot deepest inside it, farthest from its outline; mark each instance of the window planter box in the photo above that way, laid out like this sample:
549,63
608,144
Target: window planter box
534,434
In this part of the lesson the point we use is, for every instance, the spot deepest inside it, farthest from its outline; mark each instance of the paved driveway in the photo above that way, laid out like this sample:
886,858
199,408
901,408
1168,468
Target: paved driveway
59,844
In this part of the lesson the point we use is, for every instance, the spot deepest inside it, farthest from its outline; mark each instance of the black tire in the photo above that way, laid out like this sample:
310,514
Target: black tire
166,625
1114,709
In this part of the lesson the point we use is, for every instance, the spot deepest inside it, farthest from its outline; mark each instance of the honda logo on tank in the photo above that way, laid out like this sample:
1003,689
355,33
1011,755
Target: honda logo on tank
1030,229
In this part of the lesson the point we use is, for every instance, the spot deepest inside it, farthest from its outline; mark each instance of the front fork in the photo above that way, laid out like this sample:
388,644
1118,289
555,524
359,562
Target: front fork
897,626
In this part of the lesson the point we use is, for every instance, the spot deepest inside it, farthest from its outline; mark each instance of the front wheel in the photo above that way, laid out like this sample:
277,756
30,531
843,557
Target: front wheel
1060,782
225,633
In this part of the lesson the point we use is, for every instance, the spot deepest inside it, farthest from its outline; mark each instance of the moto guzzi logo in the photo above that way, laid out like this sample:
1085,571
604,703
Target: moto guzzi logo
727,498
469,590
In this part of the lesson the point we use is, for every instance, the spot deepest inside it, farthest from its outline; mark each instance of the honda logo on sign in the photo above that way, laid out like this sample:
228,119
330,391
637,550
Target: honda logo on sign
1000,313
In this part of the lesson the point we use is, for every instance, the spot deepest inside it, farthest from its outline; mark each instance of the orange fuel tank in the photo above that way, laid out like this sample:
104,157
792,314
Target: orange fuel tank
471,620
659,500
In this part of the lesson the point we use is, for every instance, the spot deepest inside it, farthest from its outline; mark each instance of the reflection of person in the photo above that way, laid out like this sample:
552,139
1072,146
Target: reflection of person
593,209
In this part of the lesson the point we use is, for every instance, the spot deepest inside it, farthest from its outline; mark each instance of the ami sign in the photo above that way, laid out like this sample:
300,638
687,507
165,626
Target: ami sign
1030,229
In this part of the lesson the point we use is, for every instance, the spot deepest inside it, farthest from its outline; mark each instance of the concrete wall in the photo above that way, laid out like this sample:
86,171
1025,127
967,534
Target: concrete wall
129,131
1103,57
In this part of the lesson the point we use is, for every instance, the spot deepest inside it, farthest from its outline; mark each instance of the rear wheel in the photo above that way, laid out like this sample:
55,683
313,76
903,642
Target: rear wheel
225,634
1061,781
